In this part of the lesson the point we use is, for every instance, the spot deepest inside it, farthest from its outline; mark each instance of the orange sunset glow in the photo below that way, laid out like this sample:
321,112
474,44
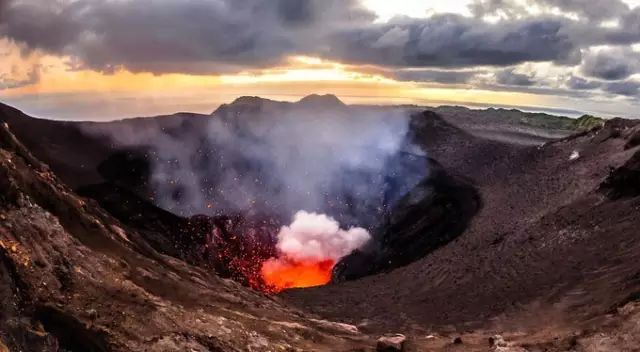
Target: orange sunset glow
144,93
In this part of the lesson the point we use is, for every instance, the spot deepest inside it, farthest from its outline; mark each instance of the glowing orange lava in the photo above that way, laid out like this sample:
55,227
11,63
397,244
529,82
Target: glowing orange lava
283,273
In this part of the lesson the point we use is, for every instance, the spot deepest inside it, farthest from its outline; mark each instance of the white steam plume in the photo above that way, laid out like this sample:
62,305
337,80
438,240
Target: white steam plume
265,157
317,237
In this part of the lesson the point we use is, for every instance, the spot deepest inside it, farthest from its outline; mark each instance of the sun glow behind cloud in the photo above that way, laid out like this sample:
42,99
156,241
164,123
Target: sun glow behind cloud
62,90
305,69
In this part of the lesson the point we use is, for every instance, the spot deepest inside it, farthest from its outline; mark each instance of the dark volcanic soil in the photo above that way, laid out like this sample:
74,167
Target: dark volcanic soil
550,241
545,254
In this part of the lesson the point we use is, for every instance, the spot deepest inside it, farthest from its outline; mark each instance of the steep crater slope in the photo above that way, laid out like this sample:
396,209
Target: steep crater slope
74,278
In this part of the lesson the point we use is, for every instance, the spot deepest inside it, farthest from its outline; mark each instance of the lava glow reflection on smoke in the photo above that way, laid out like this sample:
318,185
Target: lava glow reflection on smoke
308,250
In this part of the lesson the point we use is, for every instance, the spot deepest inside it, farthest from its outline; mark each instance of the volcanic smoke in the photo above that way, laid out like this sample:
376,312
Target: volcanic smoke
308,250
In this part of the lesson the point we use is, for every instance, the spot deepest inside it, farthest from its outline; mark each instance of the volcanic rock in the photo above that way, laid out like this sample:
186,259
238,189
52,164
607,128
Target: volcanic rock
497,341
391,343
625,180
510,349
633,140
74,278
431,215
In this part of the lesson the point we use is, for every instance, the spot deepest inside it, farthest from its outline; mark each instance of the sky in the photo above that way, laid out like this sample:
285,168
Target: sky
109,59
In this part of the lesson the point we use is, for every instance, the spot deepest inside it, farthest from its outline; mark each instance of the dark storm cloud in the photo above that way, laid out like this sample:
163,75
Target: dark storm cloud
48,26
319,12
295,11
457,41
215,35
511,78
611,64
197,36
3,6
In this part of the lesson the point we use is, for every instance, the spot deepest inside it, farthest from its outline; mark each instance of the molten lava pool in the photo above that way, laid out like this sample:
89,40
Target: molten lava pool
282,273
308,249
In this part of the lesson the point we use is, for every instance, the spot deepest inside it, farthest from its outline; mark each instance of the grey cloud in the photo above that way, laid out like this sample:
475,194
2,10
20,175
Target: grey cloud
457,41
396,37
3,7
215,35
611,64
579,83
437,76
627,88
539,89
50,28
589,9
201,36
627,33
586,33
295,11
507,8
584,30
322,12
598,10
511,78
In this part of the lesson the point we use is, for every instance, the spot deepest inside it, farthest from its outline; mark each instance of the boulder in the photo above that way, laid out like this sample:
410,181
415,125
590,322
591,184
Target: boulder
497,341
391,343
633,140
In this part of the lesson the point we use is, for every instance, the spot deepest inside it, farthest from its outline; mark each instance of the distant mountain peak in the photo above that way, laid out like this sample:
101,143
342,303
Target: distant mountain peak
325,101
252,103
250,100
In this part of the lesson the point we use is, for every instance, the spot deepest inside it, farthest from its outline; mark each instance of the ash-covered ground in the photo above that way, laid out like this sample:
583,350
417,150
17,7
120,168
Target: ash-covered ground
151,233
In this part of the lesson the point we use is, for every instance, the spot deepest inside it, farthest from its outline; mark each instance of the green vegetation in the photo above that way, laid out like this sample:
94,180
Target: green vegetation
587,122
547,121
